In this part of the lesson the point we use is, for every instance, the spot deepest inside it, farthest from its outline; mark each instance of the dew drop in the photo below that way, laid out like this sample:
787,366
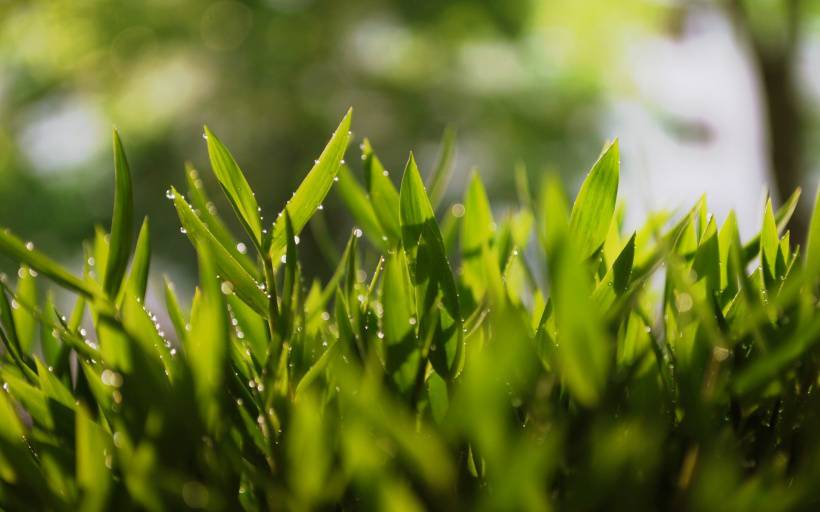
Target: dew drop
111,378
169,194
183,230
30,246
241,248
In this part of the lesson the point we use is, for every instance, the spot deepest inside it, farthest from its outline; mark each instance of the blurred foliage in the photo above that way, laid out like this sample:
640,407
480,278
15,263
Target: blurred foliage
517,79
534,359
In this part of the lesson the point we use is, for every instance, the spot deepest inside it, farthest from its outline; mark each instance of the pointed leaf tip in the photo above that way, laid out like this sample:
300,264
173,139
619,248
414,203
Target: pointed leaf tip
595,204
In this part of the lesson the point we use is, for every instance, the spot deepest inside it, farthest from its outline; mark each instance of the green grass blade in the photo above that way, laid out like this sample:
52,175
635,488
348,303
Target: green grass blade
420,233
25,253
360,206
383,194
616,281
207,347
122,222
246,287
24,321
235,186
137,283
782,217
813,238
769,240
595,204
178,318
93,447
202,204
401,350
314,188
477,232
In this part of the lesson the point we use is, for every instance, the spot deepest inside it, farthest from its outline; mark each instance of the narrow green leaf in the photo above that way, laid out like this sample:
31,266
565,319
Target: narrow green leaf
246,287
207,212
139,325
707,257
769,240
383,194
477,231
616,281
174,310
8,335
595,204
813,239
138,278
401,350
122,222
769,366
314,188
235,186
726,237
24,252
24,321
93,448
478,225
555,220
422,240
782,217
207,346
360,206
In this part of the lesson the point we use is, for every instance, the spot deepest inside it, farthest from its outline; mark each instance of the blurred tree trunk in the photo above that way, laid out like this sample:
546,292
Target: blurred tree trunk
775,59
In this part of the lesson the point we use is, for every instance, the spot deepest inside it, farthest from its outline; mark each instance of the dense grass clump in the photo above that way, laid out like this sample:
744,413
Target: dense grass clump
455,360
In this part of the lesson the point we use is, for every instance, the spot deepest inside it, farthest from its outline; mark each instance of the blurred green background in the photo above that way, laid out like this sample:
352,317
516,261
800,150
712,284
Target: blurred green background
542,83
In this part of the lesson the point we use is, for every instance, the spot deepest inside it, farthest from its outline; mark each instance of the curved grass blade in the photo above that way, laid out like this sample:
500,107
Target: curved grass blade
769,240
24,321
93,444
313,189
174,310
813,239
235,186
137,283
246,287
616,281
401,350
477,231
593,208
782,217
25,253
202,204
121,223
430,269
207,346
383,194
360,206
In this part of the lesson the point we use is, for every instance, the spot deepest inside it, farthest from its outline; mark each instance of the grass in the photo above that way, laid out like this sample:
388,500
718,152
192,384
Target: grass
455,360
